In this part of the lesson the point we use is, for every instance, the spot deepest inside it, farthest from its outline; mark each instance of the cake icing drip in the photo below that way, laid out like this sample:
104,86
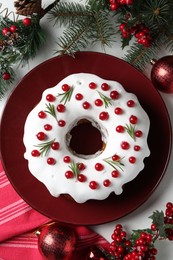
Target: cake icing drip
119,117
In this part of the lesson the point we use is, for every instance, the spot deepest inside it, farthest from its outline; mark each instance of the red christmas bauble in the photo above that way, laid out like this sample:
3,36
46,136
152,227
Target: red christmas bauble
56,242
26,21
162,74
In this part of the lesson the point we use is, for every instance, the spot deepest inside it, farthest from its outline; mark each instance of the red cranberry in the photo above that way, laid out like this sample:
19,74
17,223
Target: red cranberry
104,116
41,136
50,98
81,178
79,96
69,174
86,105
114,94
60,108
65,87
105,87
93,185
130,103
51,161
132,159
125,145
99,167
42,114
115,173
118,111
67,159
47,127
98,102
120,129
107,183
35,153
61,123
55,145
92,85
133,119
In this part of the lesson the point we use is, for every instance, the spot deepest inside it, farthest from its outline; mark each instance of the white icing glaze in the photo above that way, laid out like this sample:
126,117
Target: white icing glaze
53,176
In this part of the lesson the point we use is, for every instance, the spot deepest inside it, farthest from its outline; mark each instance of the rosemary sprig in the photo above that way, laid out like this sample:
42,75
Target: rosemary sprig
114,163
106,100
130,130
75,168
66,96
51,110
45,147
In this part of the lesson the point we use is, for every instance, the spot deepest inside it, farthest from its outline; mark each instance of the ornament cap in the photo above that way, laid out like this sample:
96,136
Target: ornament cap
153,61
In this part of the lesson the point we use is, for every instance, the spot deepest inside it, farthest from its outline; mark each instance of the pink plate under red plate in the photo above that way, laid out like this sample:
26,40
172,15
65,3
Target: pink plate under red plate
28,93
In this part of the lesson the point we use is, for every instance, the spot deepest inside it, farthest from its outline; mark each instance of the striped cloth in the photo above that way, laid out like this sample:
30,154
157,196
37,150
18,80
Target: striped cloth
17,222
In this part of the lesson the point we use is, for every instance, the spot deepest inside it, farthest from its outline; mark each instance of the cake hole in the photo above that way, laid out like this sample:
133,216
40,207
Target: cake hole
85,139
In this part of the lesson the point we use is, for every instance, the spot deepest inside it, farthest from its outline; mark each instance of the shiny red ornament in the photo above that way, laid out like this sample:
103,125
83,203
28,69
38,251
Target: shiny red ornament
162,74
96,254
56,242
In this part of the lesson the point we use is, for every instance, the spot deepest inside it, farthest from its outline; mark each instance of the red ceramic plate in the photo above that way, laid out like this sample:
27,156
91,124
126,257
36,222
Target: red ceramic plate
28,93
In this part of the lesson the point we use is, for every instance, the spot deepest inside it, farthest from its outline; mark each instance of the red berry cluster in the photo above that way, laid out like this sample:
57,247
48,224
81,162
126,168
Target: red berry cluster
122,248
168,219
140,31
115,4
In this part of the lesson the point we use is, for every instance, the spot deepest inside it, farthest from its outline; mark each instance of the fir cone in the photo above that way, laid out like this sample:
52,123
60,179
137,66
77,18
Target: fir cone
27,7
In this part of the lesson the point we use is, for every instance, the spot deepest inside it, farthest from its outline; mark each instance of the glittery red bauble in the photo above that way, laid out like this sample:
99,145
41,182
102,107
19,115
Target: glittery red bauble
96,254
56,242
162,74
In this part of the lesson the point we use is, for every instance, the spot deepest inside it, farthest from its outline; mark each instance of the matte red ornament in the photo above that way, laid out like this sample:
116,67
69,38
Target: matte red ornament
56,242
162,74
96,254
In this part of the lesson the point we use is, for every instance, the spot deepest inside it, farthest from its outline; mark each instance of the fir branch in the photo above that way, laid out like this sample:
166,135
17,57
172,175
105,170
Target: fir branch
45,147
103,31
75,38
69,13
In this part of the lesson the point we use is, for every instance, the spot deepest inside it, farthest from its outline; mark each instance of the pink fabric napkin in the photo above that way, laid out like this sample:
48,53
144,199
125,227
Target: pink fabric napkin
17,222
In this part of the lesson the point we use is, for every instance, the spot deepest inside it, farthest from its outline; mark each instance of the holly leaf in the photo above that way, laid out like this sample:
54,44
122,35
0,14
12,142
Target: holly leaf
158,219
125,41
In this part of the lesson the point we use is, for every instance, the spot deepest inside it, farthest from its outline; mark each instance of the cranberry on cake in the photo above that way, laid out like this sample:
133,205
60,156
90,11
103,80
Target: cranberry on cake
86,137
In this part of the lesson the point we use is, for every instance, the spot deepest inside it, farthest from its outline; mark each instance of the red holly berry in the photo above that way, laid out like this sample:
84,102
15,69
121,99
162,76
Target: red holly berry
93,185
6,76
13,28
26,21
92,85
104,116
6,31
41,136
